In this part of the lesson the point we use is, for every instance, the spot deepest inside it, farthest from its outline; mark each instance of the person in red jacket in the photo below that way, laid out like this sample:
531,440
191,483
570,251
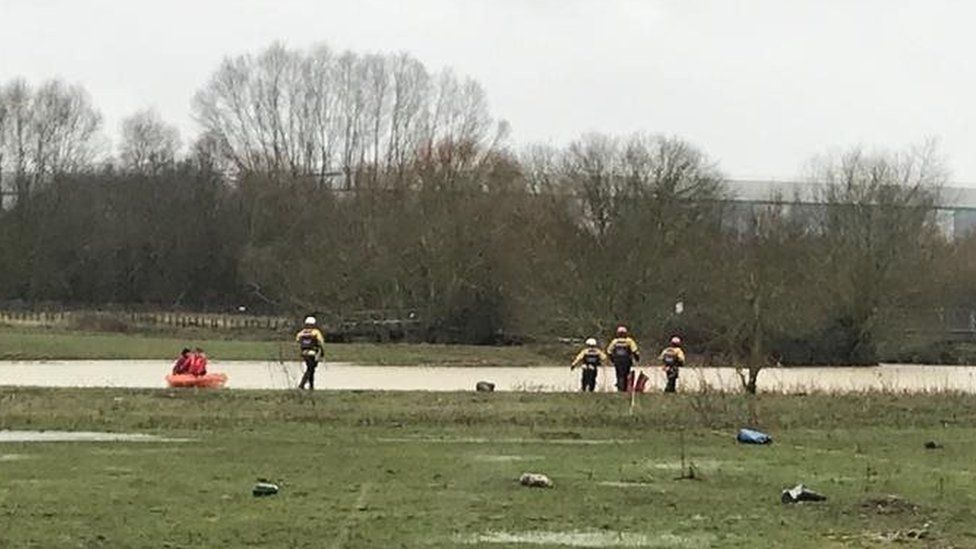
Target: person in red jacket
198,363
182,364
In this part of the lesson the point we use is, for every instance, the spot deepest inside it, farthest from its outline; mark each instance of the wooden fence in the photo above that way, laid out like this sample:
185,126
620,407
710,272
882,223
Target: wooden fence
370,325
141,319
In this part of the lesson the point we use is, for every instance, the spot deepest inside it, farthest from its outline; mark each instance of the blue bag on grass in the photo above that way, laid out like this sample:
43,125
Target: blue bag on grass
748,436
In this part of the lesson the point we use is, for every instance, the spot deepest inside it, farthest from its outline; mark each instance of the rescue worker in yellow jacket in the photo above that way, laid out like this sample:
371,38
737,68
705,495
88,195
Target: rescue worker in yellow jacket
311,343
591,358
673,359
624,355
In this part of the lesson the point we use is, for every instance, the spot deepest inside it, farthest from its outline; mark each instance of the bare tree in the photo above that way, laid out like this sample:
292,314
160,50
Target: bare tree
4,117
64,126
640,206
878,227
148,143
768,271
590,168
48,131
316,113
16,97
411,96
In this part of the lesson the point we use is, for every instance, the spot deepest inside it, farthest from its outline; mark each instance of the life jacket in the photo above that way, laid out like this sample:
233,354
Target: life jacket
591,359
197,365
671,362
670,358
182,365
308,343
621,353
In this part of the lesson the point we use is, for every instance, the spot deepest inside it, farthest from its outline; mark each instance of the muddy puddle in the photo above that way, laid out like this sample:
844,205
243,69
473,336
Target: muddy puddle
276,375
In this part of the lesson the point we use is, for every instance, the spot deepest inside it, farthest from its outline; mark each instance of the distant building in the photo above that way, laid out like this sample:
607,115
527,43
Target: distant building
955,212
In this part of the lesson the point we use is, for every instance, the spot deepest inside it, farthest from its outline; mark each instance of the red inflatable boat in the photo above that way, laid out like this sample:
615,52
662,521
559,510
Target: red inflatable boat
209,381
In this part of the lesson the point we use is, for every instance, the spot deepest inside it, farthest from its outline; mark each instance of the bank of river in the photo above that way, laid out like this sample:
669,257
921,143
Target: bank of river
275,375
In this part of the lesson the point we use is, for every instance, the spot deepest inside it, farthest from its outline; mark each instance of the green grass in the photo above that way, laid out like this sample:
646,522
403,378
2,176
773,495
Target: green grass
50,344
376,469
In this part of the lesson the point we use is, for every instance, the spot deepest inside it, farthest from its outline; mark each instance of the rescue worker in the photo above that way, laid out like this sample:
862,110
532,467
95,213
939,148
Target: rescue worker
310,343
672,359
182,364
197,364
591,357
624,355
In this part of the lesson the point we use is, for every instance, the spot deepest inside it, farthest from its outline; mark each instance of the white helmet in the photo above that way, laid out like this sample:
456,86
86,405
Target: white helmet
591,342
310,321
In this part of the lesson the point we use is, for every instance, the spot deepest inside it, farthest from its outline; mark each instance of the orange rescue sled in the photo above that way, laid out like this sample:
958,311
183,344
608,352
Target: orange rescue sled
209,381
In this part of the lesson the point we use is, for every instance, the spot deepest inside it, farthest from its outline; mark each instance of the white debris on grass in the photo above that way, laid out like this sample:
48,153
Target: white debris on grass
80,436
623,484
590,539
535,480
709,464
490,458
485,440
13,457
136,450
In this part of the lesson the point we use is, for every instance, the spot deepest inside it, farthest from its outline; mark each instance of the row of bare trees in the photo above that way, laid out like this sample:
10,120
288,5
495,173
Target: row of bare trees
45,131
553,244
323,113
54,129
436,218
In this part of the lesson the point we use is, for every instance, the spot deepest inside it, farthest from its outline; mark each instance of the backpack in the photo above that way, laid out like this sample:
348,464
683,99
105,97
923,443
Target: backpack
308,342
670,359
621,350
621,353
591,358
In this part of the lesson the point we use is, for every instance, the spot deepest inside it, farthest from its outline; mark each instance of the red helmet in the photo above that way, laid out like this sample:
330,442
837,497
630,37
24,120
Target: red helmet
675,341
621,330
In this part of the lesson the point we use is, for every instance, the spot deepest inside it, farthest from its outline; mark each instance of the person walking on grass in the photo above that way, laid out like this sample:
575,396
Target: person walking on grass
310,343
624,355
591,358
672,359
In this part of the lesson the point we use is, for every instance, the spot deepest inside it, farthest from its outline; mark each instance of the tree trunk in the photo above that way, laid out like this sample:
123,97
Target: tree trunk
753,377
755,344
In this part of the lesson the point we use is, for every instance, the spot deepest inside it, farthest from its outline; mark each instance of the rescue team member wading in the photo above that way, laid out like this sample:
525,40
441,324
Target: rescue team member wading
310,342
673,359
591,358
624,355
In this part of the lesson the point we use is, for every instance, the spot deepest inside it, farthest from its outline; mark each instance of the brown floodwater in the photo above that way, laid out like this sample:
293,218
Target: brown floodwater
276,375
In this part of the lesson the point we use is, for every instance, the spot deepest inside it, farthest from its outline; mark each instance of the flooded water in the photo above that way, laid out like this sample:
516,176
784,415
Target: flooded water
275,375
602,538
75,436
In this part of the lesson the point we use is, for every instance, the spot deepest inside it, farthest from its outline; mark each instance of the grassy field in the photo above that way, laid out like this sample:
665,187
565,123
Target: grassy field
49,344
438,470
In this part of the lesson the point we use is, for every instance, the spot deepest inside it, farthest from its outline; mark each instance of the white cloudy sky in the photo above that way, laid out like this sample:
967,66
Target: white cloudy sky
761,85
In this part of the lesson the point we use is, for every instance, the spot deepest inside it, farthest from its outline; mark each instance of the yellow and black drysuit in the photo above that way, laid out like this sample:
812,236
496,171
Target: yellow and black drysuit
624,355
673,359
311,343
591,359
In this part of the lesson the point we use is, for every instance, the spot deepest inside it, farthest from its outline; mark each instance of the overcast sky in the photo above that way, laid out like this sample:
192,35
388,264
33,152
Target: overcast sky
760,85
